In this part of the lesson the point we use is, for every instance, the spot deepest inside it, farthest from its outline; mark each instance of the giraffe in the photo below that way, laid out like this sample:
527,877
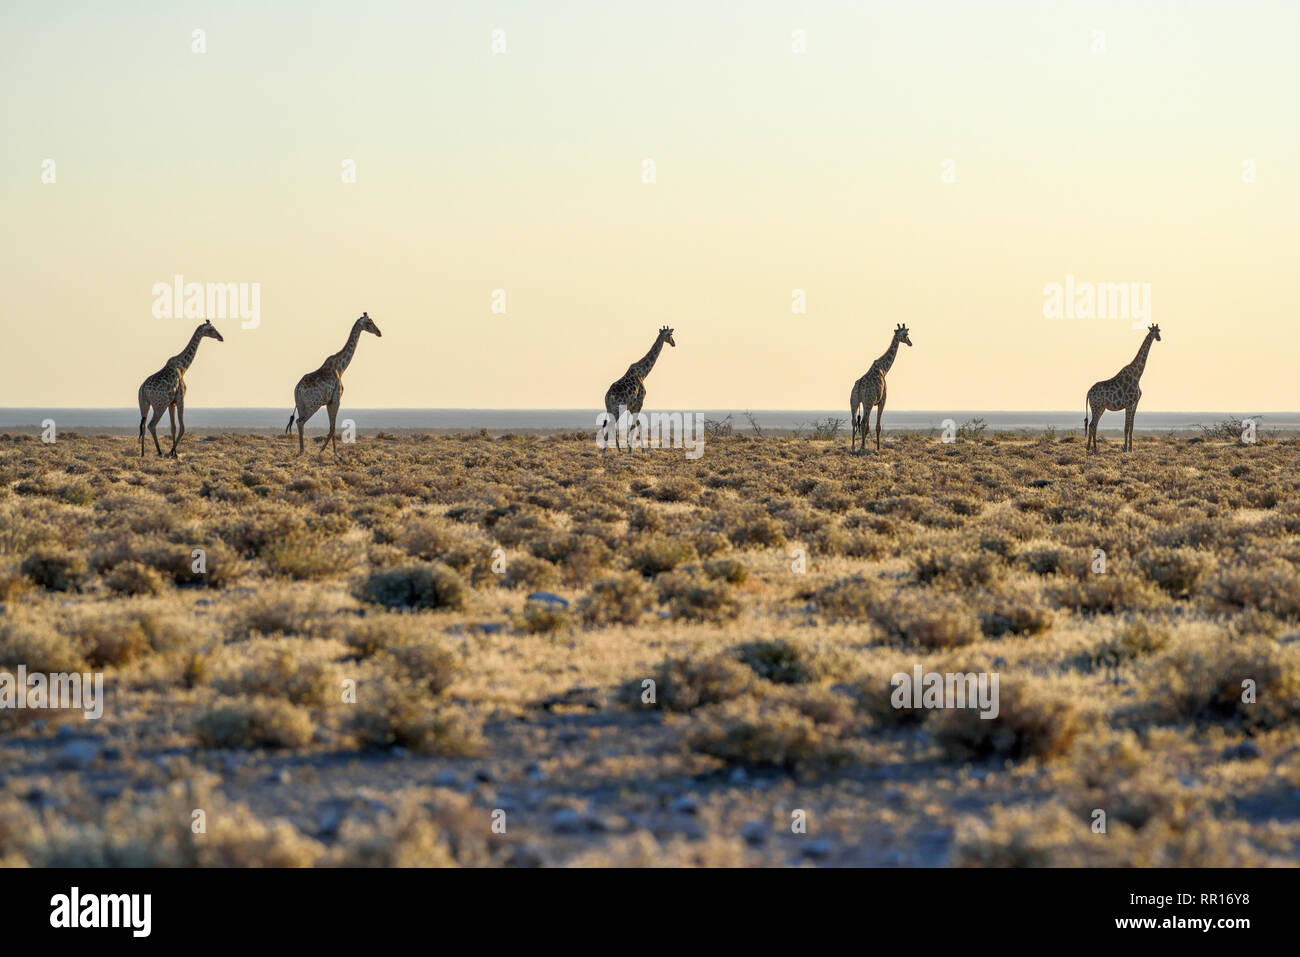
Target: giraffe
324,387
870,390
629,391
1120,391
165,389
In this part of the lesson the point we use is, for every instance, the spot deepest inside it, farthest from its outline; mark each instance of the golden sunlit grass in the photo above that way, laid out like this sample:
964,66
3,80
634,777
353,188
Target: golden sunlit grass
522,651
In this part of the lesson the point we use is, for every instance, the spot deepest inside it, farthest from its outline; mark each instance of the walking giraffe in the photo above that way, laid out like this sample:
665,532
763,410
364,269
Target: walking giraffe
165,389
629,392
324,387
1120,391
870,390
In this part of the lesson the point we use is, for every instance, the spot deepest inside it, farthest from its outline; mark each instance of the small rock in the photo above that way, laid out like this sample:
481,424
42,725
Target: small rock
549,598
566,821
999,662
64,732
739,776
111,754
398,752
686,804
329,823
534,772
1246,751
484,775
77,754
754,832
491,627
525,855
817,849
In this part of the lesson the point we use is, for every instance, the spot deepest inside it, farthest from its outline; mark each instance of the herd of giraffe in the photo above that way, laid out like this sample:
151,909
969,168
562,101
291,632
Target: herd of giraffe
165,389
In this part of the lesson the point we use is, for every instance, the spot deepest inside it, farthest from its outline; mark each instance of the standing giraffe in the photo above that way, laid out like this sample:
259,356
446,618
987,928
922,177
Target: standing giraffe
629,391
324,387
870,390
1120,391
165,389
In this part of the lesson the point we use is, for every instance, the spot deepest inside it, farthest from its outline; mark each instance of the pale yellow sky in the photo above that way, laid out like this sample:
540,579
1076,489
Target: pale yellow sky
1113,157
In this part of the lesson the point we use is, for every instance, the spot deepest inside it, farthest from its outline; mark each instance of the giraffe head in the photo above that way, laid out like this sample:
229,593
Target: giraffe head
368,324
666,335
900,334
1155,332
210,331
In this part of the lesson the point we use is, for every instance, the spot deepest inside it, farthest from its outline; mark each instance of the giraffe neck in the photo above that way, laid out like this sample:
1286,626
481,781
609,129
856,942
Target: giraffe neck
1140,360
340,360
183,359
642,368
887,360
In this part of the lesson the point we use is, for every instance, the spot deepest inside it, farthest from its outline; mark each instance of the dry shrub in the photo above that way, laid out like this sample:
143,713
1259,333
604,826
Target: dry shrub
427,828
277,612
306,556
1109,593
115,637
657,554
928,620
1177,570
695,598
684,684
782,661
963,568
539,617
621,599
874,694
855,598
1273,587
1135,641
39,647
428,537
1203,677
643,849
415,586
429,664
767,733
277,673
391,713
253,723
1031,723
1016,612
56,571
525,571
134,578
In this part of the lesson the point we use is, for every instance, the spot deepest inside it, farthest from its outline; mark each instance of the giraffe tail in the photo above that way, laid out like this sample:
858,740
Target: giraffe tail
290,425
1085,415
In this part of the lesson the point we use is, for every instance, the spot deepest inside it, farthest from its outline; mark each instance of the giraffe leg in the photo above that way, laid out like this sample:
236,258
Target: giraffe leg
180,416
333,410
153,427
1129,415
171,417
144,412
880,414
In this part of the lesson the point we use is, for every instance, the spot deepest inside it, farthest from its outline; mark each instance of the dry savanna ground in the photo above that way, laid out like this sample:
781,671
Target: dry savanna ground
359,677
